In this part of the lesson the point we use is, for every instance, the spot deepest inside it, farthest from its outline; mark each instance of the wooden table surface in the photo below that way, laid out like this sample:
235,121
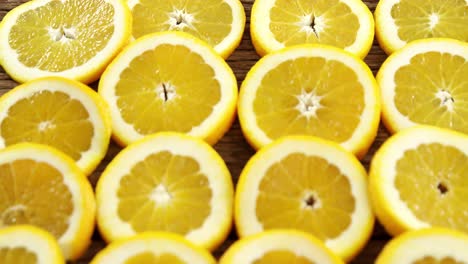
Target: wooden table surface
233,147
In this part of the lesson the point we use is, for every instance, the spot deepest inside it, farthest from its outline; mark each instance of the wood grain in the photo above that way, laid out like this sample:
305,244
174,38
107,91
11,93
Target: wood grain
233,147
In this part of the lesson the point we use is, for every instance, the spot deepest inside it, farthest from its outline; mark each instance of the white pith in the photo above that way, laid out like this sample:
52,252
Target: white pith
435,243
252,249
308,104
157,245
42,247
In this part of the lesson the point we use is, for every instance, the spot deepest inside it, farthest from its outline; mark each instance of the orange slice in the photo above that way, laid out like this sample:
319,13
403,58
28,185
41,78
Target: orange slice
169,81
73,38
308,184
40,186
167,182
58,112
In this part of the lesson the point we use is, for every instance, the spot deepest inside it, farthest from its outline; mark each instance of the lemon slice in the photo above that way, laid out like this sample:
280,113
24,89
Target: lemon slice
308,184
346,24
399,22
280,247
153,247
169,81
311,89
220,23
58,112
28,244
40,186
425,83
433,245
418,180
69,38
167,182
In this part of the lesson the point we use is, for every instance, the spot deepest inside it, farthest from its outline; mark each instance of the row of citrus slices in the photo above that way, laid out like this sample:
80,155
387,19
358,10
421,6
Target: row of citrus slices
172,81
175,183
278,246
157,74
175,82
40,39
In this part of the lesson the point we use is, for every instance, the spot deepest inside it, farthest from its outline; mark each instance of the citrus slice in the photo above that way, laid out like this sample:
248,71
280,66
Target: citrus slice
220,23
418,180
346,24
425,83
399,22
169,81
28,244
311,89
167,182
62,113
153,247
68,38
431,246
279,247
40,186
309,184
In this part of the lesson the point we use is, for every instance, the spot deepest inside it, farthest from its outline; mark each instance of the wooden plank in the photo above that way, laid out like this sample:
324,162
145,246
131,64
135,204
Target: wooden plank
233,147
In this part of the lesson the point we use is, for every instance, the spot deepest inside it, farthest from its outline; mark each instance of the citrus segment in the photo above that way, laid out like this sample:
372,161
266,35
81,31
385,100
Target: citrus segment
399,22
153,247
28,244
169,81
426,246
346,24
220,23
58,112
281,247
314,90
167,182
151,170
41,186
424,83
309,184
417,180
72,38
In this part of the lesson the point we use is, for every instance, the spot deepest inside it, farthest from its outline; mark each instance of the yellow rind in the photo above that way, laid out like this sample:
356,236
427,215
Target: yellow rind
147,237
47,239
399,243
251,241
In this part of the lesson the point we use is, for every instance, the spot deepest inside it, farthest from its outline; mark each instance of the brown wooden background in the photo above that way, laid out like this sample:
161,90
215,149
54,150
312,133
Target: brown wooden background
232,147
